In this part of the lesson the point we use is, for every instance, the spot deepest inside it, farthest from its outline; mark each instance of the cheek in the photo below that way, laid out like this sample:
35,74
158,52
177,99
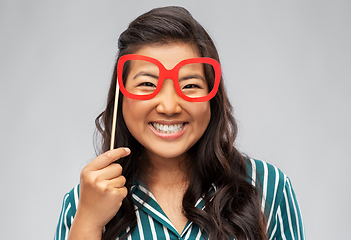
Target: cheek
207,115
202,113
128,110
134,113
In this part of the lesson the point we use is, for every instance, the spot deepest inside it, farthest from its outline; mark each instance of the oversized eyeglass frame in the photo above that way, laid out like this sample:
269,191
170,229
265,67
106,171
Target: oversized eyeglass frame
169,74
163,75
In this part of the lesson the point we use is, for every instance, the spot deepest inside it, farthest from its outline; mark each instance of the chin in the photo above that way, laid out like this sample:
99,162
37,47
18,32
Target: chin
168,154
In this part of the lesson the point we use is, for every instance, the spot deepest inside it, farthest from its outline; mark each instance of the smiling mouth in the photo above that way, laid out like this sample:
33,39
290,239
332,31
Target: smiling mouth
173,128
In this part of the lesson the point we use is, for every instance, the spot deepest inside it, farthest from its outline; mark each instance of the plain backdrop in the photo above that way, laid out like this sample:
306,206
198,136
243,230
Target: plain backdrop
286,65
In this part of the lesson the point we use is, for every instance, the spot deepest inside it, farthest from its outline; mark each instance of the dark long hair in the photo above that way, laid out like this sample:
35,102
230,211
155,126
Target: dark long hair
234,209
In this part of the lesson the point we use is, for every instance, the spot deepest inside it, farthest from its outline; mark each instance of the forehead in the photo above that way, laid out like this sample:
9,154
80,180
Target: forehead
169,54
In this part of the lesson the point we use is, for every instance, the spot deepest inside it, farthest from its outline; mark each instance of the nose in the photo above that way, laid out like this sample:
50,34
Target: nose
168,99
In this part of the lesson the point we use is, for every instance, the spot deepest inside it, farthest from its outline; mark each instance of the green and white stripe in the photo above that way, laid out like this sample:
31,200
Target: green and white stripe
278,202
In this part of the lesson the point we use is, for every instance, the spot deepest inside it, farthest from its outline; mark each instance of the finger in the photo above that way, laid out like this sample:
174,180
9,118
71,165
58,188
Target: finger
107,158
112,171
121,193
118,182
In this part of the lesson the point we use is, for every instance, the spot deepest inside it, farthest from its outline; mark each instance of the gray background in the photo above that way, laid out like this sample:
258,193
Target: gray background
286,65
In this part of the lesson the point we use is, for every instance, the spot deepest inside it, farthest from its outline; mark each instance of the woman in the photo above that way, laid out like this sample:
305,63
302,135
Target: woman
174,172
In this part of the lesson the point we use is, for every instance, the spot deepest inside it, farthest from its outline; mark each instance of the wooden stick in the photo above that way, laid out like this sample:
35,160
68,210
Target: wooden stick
113,133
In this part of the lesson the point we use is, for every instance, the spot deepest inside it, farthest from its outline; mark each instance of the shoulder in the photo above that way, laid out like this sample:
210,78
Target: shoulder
68,212
278,199
71,198
70,203
263,174
270,181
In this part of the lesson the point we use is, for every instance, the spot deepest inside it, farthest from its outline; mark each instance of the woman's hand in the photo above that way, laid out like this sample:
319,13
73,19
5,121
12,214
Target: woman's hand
102,191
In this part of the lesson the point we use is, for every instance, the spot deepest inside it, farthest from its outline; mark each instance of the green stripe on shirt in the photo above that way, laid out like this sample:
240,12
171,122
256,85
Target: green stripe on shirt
278,202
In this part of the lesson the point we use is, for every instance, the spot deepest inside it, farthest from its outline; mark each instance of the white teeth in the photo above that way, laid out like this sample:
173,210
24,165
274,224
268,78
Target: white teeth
168,128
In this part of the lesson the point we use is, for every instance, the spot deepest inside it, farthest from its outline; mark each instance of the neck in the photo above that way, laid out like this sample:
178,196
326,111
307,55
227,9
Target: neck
165,171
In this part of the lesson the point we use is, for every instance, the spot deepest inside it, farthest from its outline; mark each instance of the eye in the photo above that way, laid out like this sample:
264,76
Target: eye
191,86
147,84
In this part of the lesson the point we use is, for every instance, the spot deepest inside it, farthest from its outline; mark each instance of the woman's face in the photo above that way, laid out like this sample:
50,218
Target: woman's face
166,125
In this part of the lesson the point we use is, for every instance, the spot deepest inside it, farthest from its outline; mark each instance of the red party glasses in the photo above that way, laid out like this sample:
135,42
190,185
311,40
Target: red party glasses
195,79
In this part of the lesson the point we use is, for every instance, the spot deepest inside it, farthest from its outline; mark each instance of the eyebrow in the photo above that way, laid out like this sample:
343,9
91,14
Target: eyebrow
145,74
192,76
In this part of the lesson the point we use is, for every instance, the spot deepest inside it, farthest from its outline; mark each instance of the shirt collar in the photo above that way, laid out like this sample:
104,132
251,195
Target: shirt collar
144,200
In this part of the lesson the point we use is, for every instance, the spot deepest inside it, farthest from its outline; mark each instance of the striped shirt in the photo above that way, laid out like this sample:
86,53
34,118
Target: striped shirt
278,202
